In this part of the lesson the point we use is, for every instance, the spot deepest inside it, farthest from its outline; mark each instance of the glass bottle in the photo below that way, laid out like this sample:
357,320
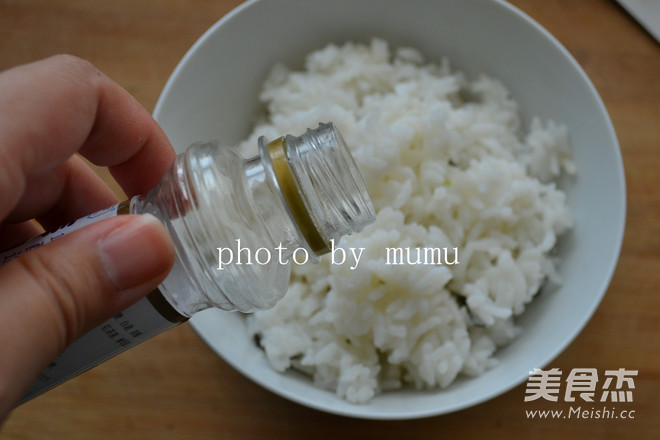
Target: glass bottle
236,224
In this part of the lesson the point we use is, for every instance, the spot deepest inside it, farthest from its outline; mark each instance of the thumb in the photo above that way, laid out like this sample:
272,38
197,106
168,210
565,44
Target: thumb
52,295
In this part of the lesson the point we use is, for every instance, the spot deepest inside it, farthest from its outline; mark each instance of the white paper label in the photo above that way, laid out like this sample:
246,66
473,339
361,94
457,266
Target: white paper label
48,237
137,323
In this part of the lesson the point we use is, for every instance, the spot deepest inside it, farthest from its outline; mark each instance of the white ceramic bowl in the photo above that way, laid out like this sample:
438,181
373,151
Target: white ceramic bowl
212,94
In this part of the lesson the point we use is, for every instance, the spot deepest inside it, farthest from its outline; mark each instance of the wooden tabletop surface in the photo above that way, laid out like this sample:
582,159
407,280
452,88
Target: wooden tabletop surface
175,387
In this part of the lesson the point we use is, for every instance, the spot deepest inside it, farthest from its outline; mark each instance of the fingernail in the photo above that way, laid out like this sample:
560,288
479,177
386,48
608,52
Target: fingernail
136,252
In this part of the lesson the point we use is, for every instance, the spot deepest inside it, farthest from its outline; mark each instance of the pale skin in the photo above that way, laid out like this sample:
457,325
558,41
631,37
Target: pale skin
49,111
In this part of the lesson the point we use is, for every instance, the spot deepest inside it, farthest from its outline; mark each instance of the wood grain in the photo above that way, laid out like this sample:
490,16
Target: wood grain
174,387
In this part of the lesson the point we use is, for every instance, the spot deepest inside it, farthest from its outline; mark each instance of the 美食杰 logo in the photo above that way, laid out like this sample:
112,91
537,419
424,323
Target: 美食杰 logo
592,394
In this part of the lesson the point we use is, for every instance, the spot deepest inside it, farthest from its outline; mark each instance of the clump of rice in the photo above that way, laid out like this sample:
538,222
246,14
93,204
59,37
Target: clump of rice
447,163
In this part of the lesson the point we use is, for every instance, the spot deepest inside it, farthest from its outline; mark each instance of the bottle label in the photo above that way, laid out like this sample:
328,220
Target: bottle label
137,323
48,237
144,319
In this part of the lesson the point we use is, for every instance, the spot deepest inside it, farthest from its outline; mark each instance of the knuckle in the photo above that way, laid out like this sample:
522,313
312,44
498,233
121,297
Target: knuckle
72,62
80,72
54,291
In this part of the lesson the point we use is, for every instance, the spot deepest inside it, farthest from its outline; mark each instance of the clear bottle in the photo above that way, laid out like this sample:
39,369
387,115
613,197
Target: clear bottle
297,196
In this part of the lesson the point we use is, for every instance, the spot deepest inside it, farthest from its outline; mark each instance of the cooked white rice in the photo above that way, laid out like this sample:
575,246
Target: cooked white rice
448,164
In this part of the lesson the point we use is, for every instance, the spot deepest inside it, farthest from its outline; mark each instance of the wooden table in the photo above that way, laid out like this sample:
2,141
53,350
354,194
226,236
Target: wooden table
174,387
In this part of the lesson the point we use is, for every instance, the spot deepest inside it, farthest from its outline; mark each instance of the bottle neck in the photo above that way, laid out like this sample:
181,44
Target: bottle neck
281,217
318,182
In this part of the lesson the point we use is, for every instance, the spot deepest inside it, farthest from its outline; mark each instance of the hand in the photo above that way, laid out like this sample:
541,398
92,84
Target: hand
49,111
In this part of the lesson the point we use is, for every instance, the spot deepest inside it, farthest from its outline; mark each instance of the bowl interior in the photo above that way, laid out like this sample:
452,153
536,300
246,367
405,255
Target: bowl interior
213,94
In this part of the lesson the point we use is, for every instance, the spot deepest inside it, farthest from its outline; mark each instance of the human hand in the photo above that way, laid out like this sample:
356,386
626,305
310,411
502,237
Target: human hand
49,110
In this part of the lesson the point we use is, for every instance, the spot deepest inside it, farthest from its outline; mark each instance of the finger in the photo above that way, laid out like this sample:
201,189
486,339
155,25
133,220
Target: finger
135,155
55,107
52,295
70,191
